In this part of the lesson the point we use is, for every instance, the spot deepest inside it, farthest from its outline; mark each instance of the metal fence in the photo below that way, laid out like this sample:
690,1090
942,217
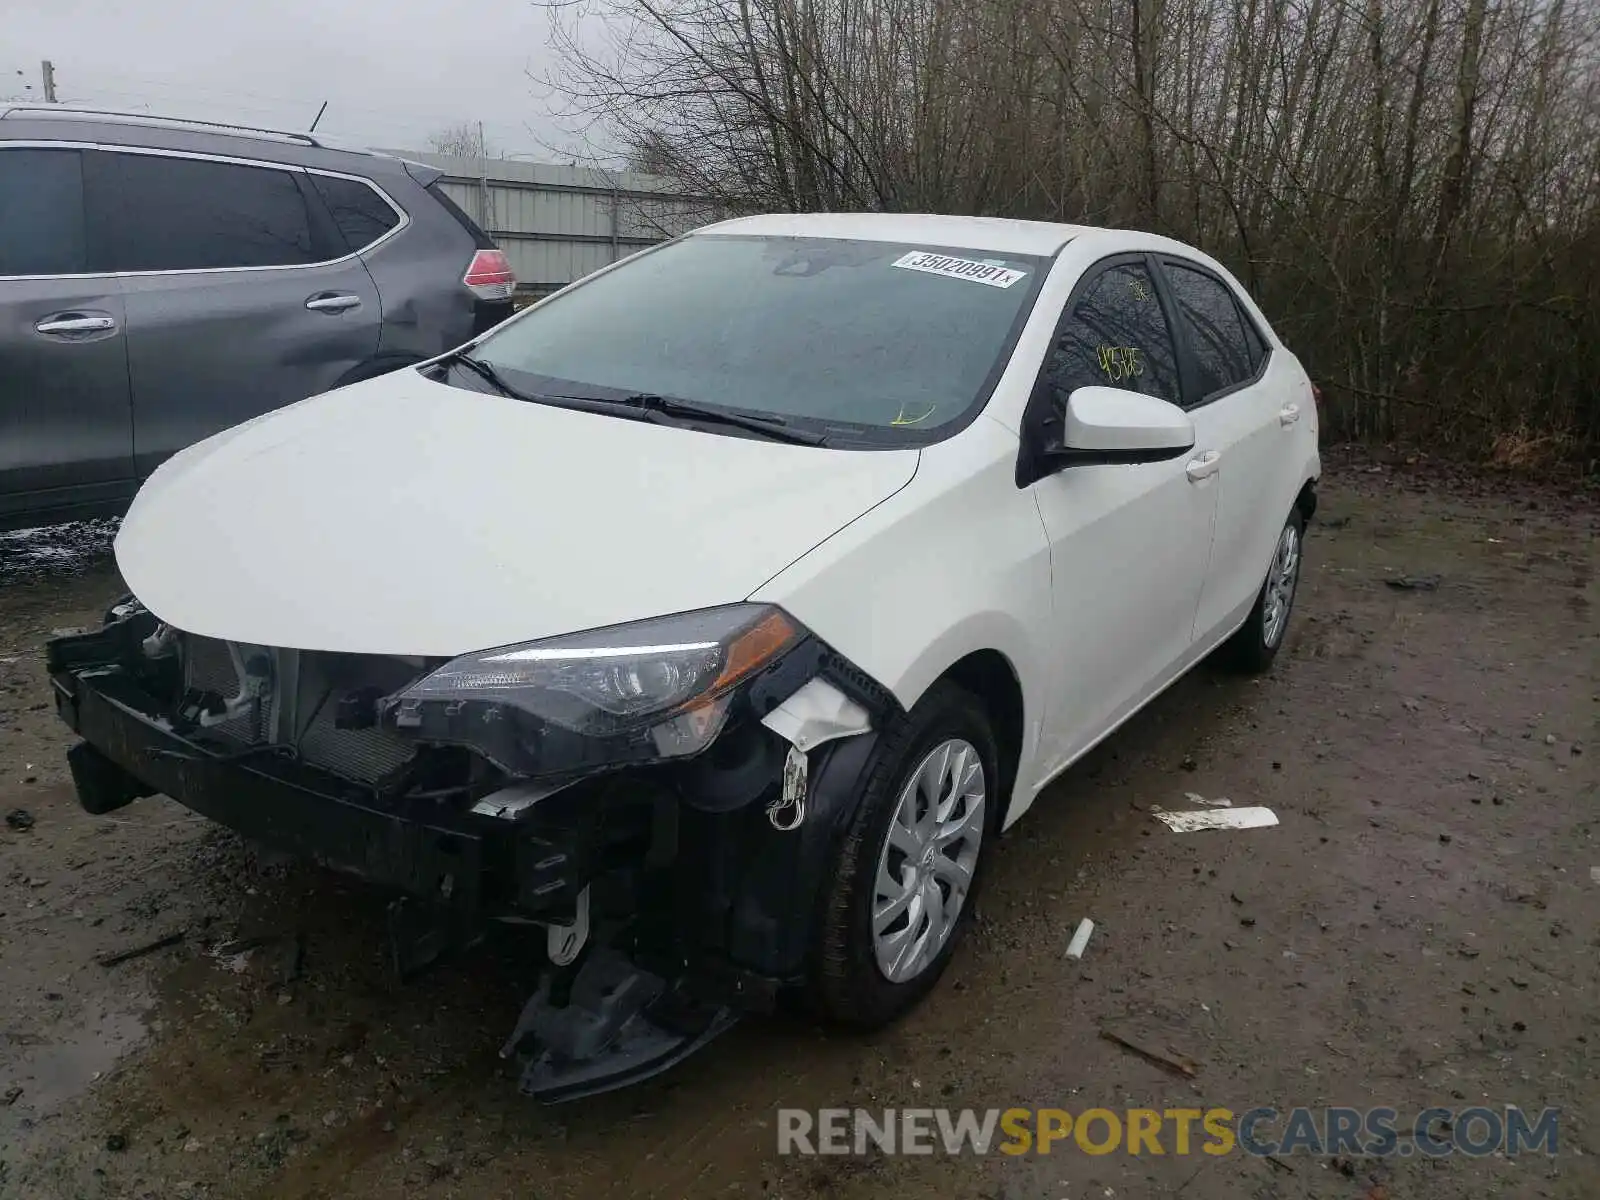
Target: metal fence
559,223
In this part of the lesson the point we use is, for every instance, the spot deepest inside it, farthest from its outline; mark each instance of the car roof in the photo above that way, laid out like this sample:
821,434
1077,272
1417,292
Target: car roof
996,235
70,123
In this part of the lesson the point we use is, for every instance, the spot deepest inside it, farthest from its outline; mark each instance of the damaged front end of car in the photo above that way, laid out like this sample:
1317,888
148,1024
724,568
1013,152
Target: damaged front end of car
662,798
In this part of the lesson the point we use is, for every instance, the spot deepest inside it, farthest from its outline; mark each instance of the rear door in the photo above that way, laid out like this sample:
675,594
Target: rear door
241,295
64,431
1236,403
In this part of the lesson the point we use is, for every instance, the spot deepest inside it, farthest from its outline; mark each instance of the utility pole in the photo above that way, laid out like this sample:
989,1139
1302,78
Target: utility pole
47,71
485,206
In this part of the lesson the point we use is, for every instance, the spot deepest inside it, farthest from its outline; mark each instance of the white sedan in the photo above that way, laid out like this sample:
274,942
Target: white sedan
715,614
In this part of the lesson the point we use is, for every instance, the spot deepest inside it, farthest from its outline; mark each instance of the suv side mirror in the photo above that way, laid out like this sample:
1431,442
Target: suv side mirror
1105,424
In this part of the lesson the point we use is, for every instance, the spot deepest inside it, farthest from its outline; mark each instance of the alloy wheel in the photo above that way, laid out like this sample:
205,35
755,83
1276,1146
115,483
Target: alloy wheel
926,865
1281,583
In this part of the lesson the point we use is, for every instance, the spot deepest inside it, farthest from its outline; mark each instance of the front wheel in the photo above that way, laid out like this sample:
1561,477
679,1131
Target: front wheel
1258,640
909,863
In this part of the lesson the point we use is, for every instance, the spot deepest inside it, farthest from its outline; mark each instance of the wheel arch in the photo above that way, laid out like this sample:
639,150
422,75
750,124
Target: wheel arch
1306,501
990,677
378,364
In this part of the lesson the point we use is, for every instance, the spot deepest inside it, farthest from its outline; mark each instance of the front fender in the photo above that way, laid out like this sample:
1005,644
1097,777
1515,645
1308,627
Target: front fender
955,563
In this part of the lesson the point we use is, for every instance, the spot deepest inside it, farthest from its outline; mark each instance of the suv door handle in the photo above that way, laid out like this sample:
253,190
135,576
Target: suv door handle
75,323
1288,414
333,302
1204,467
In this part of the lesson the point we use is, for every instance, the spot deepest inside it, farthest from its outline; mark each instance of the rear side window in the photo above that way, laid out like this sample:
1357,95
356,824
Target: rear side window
152,212
1215,328
41,212
361,214
1115,336
480,239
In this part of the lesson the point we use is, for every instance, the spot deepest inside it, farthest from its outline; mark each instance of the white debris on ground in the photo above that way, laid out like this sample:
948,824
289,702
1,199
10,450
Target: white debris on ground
1080,938
1217,818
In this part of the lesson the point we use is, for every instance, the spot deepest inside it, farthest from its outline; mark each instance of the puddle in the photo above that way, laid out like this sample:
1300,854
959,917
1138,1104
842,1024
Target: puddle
54,1068
51,551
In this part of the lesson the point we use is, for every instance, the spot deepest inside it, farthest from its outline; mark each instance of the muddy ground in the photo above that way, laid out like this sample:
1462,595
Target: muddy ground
1422,928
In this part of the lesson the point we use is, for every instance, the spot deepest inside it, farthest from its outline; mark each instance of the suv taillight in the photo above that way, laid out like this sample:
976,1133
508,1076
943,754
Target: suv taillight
490,277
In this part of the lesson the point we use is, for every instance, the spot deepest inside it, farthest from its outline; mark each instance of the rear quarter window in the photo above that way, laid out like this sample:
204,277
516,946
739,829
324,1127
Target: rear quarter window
362,215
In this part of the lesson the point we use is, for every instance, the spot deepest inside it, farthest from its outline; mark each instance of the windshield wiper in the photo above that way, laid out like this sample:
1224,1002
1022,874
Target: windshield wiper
644,406
489,375
776,428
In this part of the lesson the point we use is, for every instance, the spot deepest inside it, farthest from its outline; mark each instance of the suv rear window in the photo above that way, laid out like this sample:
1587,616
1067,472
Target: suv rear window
480,239
41,212
361,214
151,212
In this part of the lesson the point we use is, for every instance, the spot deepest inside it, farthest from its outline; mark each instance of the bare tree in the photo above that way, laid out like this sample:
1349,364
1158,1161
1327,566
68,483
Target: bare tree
1411,187
464,140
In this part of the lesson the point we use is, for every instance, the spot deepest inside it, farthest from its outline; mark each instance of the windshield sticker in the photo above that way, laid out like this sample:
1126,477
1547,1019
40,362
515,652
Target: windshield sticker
960,268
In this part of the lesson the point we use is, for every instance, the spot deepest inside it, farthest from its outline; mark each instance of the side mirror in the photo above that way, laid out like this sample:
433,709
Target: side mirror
1105,424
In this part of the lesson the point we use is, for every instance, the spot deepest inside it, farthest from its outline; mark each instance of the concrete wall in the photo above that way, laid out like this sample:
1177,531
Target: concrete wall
559,223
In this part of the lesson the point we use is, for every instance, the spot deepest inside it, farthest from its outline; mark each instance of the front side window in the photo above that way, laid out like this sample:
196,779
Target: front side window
41,212
152,212
1115,336
361,214
1214,327
888,340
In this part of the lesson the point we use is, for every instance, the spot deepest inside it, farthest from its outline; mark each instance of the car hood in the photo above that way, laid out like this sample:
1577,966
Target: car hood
404,516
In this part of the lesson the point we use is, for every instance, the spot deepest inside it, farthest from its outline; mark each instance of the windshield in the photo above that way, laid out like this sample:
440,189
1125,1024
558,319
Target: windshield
881,338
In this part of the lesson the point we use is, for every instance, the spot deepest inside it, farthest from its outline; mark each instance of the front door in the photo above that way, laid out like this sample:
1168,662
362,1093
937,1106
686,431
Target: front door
241,296
1128,544
65,441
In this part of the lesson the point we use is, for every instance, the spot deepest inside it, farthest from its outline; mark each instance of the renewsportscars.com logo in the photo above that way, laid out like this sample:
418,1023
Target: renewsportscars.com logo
1355,1132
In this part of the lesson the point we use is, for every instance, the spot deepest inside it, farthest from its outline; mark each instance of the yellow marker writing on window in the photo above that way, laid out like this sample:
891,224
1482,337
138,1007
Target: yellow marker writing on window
1120,362
902,419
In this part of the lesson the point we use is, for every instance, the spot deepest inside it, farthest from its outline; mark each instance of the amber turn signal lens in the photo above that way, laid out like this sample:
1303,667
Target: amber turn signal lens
754,648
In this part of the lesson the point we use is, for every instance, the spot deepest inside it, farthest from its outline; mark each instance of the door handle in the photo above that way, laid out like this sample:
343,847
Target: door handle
1204,467
75,323
1288,414
333,302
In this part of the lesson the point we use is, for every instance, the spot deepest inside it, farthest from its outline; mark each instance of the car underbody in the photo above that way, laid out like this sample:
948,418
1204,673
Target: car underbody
672,896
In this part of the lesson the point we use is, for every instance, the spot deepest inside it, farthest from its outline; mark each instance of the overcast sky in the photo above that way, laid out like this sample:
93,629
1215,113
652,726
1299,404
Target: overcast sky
392,71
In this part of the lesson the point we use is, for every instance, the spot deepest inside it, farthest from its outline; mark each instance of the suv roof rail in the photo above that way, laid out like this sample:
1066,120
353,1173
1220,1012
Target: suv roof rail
133,118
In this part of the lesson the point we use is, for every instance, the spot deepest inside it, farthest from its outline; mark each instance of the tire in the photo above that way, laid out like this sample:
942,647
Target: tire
1256,643
851,984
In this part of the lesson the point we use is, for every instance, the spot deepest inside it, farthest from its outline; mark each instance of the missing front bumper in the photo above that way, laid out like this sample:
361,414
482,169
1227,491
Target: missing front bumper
704,905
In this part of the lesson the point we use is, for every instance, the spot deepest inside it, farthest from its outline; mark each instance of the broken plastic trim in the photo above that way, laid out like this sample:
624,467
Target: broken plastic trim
816,714
620,1025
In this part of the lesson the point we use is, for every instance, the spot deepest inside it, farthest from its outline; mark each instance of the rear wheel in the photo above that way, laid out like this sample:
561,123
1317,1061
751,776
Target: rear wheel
909,864
1258,640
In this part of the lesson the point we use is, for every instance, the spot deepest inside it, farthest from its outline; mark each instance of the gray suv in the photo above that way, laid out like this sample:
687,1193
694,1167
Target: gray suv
161,280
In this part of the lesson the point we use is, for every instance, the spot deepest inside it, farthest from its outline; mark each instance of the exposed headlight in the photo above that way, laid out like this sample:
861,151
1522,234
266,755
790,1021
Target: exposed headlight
660,686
